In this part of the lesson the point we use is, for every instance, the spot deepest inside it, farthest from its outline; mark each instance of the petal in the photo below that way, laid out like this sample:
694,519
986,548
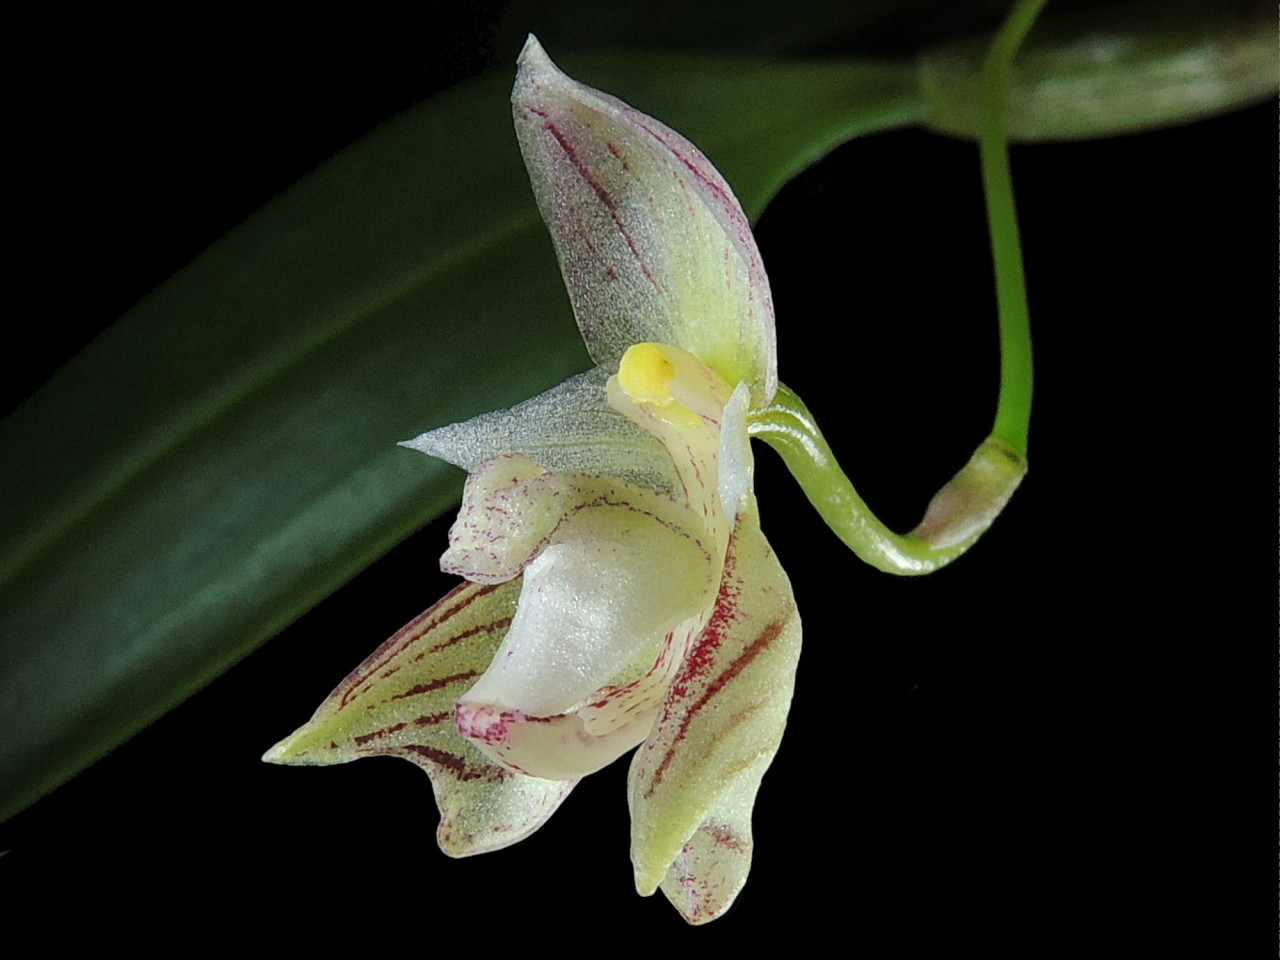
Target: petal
399,702
570,427
611,573
554,748
514,513
693,782
652,243
616,718
588,610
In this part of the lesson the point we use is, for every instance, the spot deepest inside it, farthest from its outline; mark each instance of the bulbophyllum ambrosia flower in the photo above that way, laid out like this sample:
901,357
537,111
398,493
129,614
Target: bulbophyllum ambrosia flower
619,593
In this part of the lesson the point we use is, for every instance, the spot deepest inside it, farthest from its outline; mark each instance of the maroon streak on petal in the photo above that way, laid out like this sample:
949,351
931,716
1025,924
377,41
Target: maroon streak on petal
500,624
456,766
401,704
415,630
599,190
377,734
693,783
435,684
736,666
620,190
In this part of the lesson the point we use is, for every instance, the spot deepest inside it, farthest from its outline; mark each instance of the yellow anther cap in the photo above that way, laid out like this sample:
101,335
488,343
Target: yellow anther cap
645,373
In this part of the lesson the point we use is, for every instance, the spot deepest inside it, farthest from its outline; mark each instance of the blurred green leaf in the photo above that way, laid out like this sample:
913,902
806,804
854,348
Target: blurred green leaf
1103,70
224,456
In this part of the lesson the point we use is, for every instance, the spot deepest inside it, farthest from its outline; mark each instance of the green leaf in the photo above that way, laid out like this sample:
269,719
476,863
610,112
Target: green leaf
225,455
1105,70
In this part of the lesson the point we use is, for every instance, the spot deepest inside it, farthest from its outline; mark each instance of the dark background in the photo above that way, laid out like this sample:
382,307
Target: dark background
958,744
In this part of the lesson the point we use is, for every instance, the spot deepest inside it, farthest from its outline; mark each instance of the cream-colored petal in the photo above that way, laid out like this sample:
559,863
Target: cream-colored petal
512,510
610,572
400,702
585,739
701,767
588,608
609,569
554,748
652,243
568,428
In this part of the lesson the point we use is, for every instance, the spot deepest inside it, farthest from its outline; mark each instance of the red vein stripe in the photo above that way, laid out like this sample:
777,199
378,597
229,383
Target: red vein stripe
739,663
421,626
500,624
567,514
364,738
605,198
455,765
437,684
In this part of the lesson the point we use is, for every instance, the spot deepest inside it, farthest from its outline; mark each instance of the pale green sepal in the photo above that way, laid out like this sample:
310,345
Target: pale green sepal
652,243
568,428
693,782
1107,70
400,702
710,870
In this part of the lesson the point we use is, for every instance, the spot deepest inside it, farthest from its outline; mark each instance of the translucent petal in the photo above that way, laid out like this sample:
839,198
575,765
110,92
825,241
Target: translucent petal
570,427
652,243
512,511
624,699
555,748
587,609
693,782
575,743
399,702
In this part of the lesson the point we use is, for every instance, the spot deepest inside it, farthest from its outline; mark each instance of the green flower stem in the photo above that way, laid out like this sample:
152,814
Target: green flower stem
966,506
1013,409
957,516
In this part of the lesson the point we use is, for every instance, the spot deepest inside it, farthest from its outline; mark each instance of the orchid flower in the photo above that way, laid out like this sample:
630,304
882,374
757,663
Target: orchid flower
619,591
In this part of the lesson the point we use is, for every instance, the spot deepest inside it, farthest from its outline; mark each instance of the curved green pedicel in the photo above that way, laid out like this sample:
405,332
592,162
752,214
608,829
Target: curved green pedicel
958,514
971,500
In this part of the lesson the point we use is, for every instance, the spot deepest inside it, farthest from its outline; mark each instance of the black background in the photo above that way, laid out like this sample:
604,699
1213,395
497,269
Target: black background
958,744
